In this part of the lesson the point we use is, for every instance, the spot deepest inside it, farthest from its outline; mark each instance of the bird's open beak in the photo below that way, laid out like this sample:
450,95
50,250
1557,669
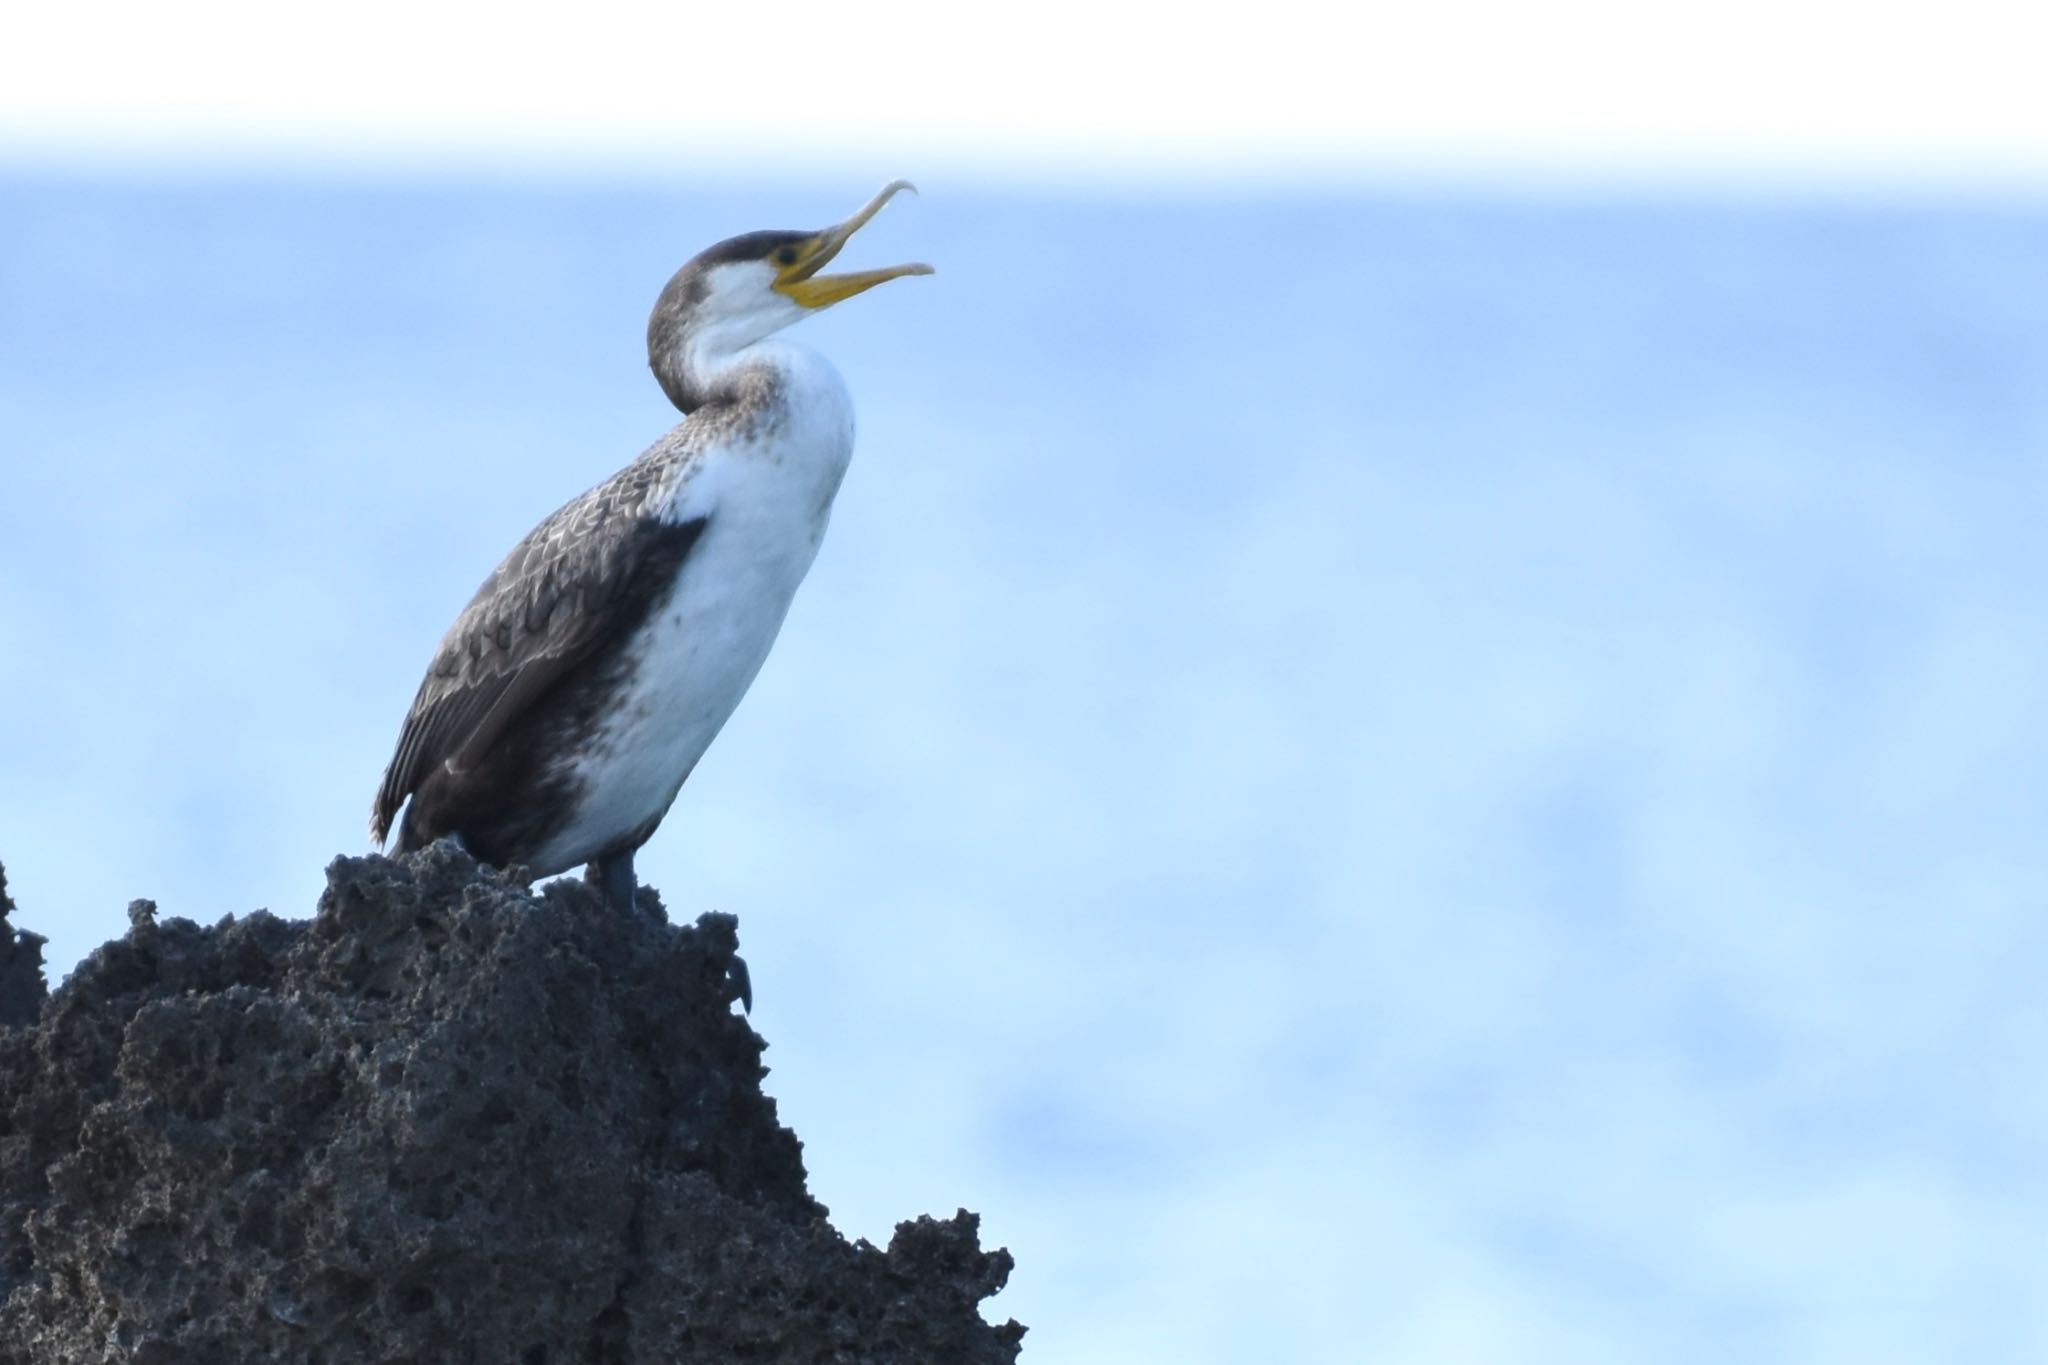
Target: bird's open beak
800,279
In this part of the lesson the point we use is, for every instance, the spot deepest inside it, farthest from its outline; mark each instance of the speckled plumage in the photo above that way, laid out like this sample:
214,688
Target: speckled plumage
502,691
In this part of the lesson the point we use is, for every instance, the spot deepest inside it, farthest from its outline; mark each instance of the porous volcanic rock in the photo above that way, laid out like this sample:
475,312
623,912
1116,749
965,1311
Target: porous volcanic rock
446,1120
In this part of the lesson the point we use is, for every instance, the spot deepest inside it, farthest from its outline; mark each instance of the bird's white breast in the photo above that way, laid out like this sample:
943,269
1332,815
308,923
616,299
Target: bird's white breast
766,489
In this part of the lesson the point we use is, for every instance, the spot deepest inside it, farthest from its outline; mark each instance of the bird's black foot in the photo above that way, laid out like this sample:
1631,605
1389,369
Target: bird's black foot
613,876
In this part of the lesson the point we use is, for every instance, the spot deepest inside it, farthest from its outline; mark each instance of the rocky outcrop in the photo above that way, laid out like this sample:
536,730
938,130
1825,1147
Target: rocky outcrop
445,1120
21,967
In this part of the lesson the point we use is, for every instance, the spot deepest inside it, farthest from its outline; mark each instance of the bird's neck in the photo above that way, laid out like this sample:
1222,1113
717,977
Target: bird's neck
782,421
790,386
710,366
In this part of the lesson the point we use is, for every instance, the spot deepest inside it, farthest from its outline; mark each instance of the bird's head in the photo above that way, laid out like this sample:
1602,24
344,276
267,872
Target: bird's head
749,287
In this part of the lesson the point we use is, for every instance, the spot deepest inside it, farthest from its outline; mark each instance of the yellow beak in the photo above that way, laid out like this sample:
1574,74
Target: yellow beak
800,279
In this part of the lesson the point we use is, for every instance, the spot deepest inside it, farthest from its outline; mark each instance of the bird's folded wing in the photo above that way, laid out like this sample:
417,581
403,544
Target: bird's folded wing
582,577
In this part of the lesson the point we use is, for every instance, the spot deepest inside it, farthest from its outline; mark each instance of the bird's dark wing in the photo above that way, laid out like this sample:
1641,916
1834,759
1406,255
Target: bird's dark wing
581,578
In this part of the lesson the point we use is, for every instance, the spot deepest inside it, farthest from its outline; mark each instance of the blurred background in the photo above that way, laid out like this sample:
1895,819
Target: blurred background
1419,738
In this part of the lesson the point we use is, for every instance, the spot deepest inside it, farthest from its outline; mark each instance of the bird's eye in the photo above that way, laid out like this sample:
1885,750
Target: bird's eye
786,256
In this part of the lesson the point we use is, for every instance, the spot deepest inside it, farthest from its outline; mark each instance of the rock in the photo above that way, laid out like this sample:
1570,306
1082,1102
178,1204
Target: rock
21,967
446,1120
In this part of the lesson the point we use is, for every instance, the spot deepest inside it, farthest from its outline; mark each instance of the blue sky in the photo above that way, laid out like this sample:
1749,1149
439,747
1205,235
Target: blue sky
1373,776
1418,736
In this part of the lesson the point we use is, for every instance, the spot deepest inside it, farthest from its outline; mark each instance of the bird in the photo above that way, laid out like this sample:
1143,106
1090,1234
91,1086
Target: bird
572,697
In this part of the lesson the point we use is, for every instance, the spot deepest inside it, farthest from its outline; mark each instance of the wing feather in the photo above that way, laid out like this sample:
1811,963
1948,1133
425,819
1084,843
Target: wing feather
554,601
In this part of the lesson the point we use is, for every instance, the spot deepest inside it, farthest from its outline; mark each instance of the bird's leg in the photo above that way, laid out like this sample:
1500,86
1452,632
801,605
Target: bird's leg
613,875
